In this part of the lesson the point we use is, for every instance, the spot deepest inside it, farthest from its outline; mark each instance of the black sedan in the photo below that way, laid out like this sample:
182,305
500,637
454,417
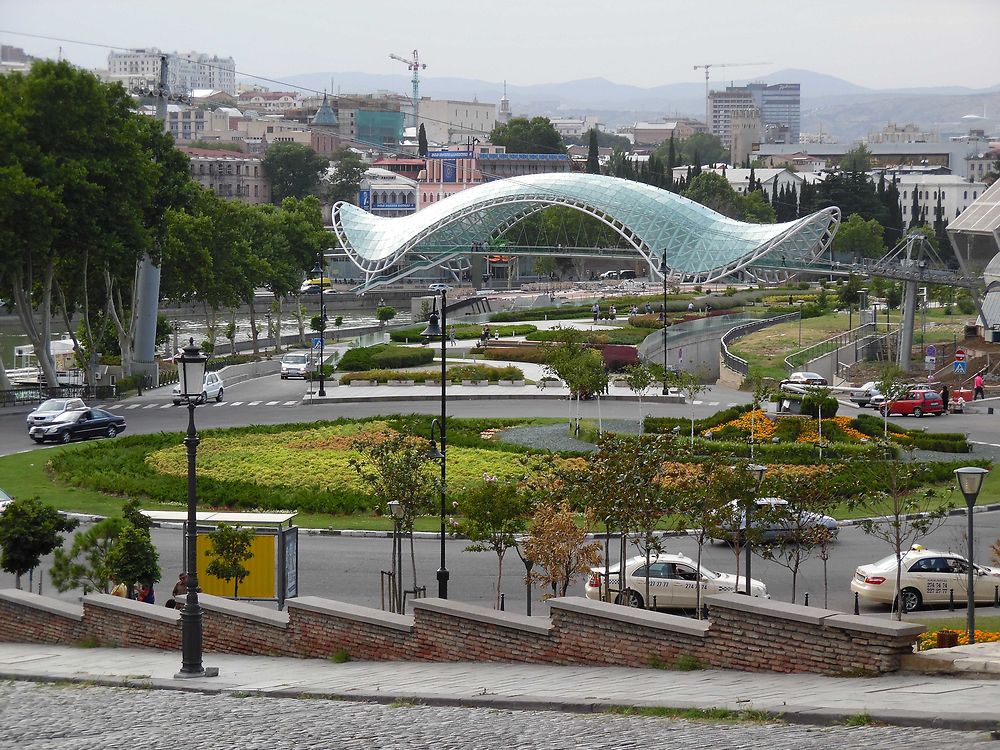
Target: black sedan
78,424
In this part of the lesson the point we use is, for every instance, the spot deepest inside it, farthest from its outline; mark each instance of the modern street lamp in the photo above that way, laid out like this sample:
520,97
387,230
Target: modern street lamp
396,511
800,303
663,273
436,329
191,369
267,317
758,474
970,482
318,269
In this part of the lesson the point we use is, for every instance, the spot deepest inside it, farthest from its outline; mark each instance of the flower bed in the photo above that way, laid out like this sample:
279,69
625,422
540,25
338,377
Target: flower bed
929,640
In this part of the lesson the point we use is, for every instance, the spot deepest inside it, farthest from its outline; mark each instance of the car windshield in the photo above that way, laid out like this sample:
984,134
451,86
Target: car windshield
295,359
52,406
67,416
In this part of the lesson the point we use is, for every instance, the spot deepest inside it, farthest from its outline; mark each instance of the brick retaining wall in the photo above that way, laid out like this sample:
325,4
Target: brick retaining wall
757,635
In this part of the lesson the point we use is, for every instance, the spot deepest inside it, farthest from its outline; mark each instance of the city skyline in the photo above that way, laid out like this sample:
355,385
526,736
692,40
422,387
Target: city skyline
529,43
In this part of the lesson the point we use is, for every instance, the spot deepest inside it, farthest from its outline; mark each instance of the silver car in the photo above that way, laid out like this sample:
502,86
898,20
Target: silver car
296,365
49,410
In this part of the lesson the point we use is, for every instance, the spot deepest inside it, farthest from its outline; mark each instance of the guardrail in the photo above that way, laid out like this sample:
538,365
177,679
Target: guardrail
738,364
35,394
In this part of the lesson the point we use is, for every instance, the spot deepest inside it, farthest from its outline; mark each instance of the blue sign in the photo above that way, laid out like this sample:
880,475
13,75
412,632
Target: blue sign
449,155
931,350
365,199
395,205
960,368
448,171
316,342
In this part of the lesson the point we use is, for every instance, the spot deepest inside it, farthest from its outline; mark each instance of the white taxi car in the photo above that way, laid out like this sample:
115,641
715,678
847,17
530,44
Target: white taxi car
213,387
673,582
928,577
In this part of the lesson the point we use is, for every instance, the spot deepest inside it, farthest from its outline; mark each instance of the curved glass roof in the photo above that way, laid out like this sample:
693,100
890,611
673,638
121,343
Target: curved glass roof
695,239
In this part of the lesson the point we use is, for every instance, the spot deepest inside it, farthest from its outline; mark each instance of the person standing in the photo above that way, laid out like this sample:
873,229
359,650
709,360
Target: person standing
452,338
596,310
945,397
977,386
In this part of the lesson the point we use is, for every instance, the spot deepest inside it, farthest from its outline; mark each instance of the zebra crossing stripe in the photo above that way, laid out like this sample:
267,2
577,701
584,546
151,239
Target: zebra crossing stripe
713,403
133,406
236,403
150,406
255,403
290,403
167,406
697,403
271,403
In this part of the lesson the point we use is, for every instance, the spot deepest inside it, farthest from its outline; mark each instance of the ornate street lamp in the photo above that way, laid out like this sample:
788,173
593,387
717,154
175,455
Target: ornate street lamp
758,474
318,269
191,369
663,273
970,482
433,330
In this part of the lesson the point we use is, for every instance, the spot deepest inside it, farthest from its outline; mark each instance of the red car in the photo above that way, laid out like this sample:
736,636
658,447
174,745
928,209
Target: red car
916,403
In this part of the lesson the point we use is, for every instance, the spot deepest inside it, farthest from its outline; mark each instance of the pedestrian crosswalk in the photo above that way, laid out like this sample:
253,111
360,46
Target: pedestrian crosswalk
122,406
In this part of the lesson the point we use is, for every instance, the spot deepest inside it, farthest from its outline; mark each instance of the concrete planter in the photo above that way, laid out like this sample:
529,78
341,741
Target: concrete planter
475,382
399,382
619,384
512,382
363,382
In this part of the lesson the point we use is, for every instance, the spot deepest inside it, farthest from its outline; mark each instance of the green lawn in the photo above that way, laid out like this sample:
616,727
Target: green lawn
988,623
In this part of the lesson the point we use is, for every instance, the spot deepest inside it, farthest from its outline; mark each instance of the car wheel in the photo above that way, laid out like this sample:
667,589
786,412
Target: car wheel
918,412
38,440
911,600
203,397
218,396
630,597
112,431
66,437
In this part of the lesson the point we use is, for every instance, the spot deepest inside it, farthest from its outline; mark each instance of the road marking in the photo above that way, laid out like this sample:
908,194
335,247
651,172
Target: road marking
697,403
167,406
713,403
271,403
732,404
236,403
992,445
133,406
255,403
290,403
217,404
150,406
116,406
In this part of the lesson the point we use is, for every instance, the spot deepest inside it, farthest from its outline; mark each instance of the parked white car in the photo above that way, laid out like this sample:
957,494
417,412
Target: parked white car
673,582
928,577
212,388
805,378
866,395
49,410
296,365
5,500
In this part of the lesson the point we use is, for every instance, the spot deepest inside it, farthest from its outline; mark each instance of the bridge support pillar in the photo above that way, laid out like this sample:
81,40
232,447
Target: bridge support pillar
906,328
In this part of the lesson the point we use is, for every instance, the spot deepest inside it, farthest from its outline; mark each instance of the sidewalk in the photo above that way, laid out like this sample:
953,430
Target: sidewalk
904,699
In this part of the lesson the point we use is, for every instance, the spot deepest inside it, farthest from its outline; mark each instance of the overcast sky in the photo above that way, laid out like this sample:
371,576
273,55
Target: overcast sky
874,43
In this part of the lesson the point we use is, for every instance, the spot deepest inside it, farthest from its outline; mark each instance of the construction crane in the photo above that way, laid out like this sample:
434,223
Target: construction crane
415,66
707,67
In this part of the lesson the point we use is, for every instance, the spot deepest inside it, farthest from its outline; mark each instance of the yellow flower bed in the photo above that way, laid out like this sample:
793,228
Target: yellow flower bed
755,420
810,430
318,457
929,640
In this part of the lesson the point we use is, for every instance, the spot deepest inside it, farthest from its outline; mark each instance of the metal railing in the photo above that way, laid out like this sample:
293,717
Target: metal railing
35,394
738,364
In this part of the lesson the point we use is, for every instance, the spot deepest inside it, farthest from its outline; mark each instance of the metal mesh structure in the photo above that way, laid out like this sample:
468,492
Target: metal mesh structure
699,244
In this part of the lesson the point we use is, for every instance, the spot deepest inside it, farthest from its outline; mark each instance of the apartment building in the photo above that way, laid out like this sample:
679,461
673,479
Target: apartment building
229,174
187,70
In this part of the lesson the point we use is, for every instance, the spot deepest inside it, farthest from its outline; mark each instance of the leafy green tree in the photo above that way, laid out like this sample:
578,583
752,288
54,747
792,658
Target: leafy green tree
713,191
690,386
853,193
604,140
858,159
132,558
397,468
699,148
850,293
294,170
30,529
523,136
859,238
492,515
385,313
639,378
593,163
421,141
86,565
346,180
559,548
755,208
231,547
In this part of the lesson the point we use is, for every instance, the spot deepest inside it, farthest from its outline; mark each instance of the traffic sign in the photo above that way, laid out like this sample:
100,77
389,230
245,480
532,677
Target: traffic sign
961,368
960,355
316,342
931,350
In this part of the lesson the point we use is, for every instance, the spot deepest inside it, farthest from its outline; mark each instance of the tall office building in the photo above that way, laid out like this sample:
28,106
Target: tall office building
188,70
779,106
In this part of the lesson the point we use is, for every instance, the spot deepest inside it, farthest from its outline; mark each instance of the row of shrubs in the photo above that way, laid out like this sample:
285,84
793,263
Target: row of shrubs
463,331
384,357
456,374
945,442
531,354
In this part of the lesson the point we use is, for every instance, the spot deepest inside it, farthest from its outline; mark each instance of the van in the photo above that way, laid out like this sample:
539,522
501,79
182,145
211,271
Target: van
628,273
608,275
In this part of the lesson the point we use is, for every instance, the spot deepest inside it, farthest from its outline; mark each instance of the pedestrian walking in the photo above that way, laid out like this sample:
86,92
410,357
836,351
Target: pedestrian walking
612,312
596,310
977,386
452,338
945,397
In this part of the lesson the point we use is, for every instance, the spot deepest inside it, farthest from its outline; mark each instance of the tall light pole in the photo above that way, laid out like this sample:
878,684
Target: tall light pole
396,511
758,474
970,482
800,303
663,273
322,325
191,369
434,328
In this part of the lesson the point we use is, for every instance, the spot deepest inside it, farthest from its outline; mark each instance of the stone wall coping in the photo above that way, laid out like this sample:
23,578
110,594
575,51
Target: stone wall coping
642,617
869,624
537,625
241,610
44,603
771,608
351,612
133,607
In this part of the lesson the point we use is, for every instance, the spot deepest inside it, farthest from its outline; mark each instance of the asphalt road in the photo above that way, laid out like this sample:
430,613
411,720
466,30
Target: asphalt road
348,568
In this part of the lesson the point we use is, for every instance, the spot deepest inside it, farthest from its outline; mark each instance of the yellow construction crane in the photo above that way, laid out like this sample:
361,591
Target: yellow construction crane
415,66
719,65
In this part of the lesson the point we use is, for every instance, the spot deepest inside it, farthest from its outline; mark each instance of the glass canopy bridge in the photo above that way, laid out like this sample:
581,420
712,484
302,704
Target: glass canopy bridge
696,244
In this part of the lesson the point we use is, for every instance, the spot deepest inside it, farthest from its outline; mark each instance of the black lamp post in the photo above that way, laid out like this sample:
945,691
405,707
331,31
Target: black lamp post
396,511
663,273
970,481
267,317
435,329
191,369
758,474
318,269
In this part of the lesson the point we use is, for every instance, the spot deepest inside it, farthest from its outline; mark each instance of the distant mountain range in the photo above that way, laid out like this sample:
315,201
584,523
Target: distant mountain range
839,107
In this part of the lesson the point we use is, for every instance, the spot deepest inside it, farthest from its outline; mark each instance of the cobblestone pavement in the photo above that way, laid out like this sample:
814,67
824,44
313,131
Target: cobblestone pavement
79,717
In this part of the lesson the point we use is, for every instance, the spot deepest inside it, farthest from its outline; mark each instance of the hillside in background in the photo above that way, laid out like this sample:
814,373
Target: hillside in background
839,107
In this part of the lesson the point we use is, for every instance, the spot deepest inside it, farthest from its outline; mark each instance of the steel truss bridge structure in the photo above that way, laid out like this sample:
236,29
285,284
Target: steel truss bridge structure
697,244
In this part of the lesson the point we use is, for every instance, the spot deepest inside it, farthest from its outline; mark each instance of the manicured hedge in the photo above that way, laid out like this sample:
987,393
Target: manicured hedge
945,442
624,335
666,424
384,356
463,331
535,354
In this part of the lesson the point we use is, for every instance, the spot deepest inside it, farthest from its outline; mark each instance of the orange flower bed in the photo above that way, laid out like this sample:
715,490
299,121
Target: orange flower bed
756,421
929,640
810,432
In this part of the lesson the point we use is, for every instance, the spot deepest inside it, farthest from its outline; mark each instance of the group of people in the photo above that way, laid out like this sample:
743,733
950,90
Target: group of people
143,592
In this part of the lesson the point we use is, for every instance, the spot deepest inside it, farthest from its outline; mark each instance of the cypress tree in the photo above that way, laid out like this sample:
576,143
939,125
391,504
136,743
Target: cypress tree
593,164
915,219
422,141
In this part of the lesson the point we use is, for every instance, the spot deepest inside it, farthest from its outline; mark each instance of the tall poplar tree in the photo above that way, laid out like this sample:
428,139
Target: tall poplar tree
593,164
